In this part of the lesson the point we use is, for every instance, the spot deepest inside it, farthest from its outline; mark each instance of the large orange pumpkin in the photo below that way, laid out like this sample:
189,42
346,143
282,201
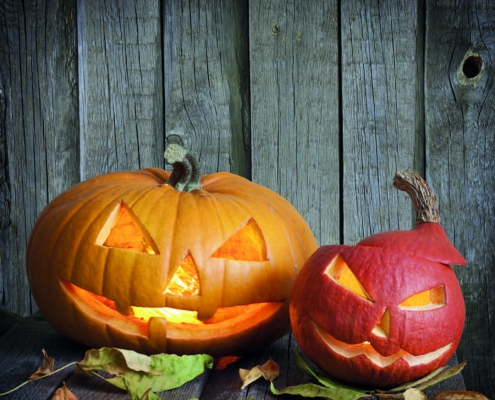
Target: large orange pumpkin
387,310
168,262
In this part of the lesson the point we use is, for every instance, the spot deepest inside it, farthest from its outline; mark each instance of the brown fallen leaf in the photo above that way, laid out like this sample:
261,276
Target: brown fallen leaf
269,370
460,395
64,394
46,368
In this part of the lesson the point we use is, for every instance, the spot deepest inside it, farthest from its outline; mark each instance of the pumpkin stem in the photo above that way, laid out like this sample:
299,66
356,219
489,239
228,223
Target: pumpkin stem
423,199
186,173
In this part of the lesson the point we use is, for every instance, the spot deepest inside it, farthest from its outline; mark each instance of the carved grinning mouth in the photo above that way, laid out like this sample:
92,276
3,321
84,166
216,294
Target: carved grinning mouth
365,348
149,321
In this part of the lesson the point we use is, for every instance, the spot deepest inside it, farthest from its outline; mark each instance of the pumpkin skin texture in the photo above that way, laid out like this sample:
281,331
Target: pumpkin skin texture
113,250
386,311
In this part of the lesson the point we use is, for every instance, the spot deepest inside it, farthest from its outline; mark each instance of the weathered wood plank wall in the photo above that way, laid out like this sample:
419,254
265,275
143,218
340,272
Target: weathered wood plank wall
322,101
40,127
460,160
120,86
295,106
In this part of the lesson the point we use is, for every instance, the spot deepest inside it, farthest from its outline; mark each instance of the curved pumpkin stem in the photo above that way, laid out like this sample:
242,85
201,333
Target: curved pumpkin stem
423,199
186,173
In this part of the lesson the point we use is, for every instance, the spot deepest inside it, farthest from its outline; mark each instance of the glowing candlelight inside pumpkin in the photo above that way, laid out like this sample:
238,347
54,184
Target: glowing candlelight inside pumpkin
185,281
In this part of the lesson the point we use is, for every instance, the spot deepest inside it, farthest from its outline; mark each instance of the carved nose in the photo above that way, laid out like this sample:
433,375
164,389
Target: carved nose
382,327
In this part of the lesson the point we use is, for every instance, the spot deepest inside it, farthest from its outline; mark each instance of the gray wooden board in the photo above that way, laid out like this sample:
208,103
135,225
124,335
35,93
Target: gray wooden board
20,356
120,86
39,127
206,82
295,107
379,114
460,121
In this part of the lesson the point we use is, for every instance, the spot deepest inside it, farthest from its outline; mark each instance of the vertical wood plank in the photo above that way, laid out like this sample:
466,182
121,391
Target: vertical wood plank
39,124
460,116
295,107
120,85
206,81
381,116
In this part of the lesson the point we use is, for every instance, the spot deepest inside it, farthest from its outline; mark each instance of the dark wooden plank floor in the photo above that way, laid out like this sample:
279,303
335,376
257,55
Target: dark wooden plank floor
22,340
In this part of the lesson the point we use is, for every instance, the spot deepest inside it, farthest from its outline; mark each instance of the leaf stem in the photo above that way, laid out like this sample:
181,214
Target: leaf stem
36,379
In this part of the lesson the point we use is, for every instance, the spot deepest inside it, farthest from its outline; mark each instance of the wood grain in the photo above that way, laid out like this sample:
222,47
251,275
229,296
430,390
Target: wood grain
39,127
206,82
295,107
460,121
21,355
380,114
120,86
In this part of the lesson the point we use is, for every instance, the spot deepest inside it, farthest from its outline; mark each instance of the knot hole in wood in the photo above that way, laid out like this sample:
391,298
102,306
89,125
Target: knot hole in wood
472,66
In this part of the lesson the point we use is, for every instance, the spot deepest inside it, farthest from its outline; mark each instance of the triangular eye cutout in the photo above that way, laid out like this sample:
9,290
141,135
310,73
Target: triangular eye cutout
185,281
339,271
426,300
247,244
123,230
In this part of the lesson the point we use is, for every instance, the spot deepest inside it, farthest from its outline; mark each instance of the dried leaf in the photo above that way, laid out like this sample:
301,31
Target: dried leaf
414,394
269,370
313,390
248,376
446,374
114,361
416,383
46,368
427,381
166,371
64,394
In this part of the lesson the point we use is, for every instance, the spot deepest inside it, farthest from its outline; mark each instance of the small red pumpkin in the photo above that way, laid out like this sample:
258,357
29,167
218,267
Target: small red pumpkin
168,262
387,310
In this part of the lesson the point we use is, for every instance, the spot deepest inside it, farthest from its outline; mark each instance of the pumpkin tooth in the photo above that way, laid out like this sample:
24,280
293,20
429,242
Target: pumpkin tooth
157,330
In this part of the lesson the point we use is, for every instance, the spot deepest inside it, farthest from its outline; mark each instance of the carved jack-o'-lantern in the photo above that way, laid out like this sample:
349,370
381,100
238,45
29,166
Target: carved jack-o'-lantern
387,310
126,260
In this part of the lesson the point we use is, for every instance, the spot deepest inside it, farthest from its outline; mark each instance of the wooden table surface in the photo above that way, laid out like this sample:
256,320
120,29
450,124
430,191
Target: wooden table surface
22,341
